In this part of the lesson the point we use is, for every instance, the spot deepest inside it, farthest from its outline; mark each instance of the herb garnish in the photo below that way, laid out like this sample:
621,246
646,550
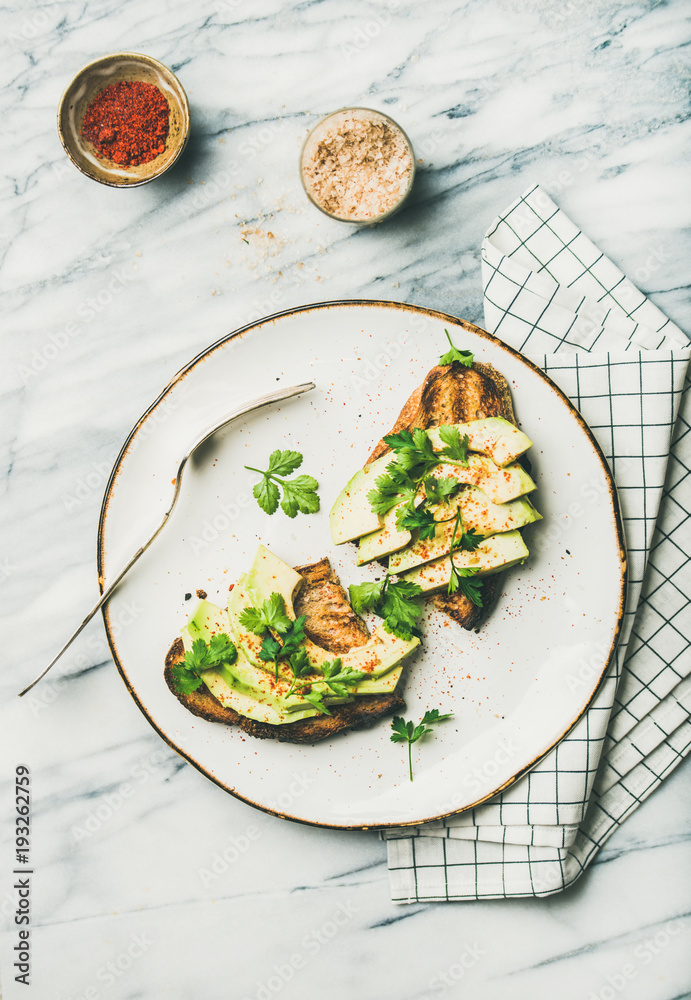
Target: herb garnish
394,602
456,446
463,357
299,494
337,679
408,732
462,578
271,617
202,656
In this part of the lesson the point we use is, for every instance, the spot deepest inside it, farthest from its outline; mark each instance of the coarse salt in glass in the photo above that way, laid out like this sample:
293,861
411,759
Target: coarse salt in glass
357,165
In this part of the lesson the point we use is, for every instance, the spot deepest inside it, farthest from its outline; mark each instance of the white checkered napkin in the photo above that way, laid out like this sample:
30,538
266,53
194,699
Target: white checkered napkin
553,295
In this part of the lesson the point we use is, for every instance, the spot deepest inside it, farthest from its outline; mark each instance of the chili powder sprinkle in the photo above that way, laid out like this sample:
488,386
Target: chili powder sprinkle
127,122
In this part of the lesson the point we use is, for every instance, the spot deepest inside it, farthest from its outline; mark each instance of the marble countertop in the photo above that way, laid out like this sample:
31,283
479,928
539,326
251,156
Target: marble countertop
149,880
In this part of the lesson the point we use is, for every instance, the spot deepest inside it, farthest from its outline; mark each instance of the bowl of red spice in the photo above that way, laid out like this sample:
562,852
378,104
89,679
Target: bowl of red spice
124,119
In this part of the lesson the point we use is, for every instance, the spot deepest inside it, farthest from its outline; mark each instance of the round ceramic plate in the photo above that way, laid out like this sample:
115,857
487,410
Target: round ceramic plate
514,688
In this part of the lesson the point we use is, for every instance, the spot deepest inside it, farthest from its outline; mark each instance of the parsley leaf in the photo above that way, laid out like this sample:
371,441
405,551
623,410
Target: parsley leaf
408,732
464,357
439,490
421,519
300,665
399,608
461,578
414,452
365,596
394,602
282,463
271,614
299,494
340,680
202,656
314,698
456,446
393,486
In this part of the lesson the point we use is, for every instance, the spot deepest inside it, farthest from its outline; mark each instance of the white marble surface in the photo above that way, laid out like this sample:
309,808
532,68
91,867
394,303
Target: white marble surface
106,293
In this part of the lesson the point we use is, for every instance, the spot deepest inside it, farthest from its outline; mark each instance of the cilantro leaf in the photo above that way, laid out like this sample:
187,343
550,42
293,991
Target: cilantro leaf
300,665
408,732
365,596
294,636
222,650
282,463
393,486
439,490
299,494
421,519
202,656
271,614
270,650
461,578
456,446
394,602
340,680
464,357
314,698
414,452
470,540
399,607
266,494
185,681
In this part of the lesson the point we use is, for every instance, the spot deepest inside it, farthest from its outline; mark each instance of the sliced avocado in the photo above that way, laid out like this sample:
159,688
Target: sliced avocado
380,685
389,538
269,575
351,516
380,654
493,436
500,485
494,554
247,704
478,514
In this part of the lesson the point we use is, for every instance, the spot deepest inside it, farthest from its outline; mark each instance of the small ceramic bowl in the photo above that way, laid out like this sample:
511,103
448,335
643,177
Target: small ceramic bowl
88,83
321,175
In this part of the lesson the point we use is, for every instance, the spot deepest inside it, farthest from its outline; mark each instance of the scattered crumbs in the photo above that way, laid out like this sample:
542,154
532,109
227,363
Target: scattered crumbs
201,594
188,597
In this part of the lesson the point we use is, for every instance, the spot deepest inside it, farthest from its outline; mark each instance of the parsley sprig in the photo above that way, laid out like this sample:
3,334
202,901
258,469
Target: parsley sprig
408,732
299,494
463,357
203,656
463,578
456,446
271,618
394,602
337,679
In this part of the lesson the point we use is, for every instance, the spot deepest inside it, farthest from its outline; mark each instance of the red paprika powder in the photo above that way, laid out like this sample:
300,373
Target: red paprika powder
127,122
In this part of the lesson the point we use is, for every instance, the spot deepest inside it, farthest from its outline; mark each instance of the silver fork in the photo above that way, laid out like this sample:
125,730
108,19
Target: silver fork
255,404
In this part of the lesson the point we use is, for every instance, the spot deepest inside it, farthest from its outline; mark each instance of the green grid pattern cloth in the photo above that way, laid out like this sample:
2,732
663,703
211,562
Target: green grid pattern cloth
551,293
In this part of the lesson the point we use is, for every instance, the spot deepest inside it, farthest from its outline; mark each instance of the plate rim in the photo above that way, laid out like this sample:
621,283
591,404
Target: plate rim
451,320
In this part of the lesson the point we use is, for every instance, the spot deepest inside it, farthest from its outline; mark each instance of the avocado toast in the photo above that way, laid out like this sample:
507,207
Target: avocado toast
473,401
330,627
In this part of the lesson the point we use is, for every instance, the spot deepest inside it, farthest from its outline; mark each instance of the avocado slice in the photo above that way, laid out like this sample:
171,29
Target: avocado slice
478,513
495,553
389,538
351,515
493,436
270,574
500,485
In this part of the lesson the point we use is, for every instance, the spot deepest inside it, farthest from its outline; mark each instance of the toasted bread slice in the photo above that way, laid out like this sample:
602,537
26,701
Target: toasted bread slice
454,394
333,625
